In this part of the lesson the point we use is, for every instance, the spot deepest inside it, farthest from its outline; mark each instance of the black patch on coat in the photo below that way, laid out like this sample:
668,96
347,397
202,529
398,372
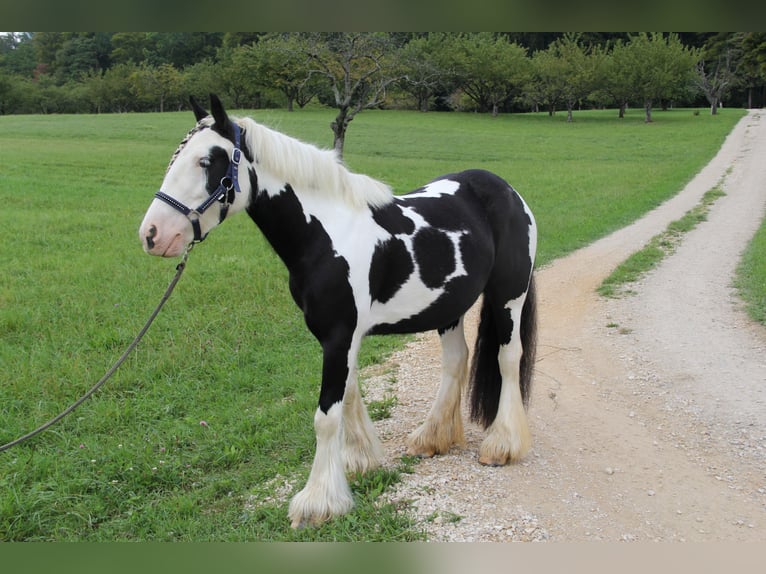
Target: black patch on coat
219,166
435,255
391,218
390,268
318,282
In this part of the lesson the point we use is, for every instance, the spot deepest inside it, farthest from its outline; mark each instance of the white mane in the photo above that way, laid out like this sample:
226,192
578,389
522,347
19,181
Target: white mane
307,167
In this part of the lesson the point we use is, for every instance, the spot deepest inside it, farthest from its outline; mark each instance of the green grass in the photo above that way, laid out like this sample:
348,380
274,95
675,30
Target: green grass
751,276
230,348
660,246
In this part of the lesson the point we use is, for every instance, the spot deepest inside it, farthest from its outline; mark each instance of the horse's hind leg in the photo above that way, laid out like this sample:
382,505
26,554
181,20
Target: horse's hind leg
509,438
444,426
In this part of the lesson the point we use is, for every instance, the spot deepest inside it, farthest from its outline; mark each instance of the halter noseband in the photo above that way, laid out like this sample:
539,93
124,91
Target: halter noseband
224,194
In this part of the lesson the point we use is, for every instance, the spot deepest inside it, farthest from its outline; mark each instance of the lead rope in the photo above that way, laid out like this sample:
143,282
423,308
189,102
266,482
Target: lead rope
179,270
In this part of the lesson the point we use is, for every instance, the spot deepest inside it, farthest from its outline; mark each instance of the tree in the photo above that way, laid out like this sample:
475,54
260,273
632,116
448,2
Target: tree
426,69
580,66
158,85
616,79
545,87
359,69
17,54
277,61
658,68
752,66
202,79
490,70
75,59
715,76
131,47
235,80
183,49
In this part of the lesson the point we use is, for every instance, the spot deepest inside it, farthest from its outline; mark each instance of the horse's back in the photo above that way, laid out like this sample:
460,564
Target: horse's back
445,239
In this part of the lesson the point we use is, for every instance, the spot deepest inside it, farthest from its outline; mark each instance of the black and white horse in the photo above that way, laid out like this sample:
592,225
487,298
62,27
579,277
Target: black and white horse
363,261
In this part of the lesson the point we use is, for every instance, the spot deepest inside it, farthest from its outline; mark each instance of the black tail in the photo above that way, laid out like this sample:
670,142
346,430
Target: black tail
486,381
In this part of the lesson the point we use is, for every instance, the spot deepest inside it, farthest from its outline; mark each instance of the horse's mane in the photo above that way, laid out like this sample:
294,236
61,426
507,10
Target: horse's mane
307,167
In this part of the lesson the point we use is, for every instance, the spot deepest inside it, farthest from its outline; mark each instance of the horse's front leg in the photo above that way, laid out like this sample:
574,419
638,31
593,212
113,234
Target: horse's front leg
345,438
362,450
326,493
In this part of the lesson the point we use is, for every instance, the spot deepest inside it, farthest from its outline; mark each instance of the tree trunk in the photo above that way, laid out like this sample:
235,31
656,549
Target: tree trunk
339,126
714,106
338,141
623,105
648,110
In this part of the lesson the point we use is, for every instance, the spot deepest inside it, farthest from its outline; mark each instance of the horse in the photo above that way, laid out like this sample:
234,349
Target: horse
362,261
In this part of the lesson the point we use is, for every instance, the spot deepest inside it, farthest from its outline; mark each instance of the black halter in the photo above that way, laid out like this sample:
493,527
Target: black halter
225,193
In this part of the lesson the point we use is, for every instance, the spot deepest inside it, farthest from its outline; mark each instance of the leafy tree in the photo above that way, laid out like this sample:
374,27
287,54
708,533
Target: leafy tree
233,40
202,79
565,73
277,61
237,80
17,54
75,59
659,68
112,90
181,49
7,94
752,68
157,85
46,45
359,69
131,47
580,67
118,88
490,70
715,69
616,80
425,68
546,86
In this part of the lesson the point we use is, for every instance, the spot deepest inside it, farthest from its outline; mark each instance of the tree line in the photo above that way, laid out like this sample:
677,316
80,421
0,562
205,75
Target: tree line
105,72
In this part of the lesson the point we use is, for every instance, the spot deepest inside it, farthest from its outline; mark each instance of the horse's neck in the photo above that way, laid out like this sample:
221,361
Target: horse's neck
285,222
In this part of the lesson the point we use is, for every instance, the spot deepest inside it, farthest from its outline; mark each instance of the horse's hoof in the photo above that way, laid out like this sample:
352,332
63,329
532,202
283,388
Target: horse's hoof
494,460
421,453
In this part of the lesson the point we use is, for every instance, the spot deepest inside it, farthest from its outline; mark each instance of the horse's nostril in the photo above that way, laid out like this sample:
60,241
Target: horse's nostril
150,237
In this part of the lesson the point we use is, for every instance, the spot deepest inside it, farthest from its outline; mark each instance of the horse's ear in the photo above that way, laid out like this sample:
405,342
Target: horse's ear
199,111
219,114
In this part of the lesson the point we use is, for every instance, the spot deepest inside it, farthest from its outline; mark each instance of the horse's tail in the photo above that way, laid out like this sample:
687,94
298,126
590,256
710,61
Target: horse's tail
485,379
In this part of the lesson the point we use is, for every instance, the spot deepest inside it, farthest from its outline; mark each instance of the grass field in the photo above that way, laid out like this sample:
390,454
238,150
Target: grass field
751,276
212,414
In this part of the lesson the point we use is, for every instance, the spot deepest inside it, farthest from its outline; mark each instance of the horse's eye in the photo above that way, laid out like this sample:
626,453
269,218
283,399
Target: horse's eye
204,162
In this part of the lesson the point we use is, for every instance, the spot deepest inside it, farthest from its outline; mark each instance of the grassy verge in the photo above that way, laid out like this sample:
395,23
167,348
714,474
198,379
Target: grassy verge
660,246
751,276
218,399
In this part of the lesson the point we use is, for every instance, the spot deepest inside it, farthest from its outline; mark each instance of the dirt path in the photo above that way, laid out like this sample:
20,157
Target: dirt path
648,413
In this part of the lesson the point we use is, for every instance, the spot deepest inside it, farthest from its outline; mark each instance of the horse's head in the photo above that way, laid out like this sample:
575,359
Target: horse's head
201,185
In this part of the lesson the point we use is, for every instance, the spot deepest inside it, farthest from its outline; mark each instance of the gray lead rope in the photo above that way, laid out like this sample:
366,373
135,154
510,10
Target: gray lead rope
179,270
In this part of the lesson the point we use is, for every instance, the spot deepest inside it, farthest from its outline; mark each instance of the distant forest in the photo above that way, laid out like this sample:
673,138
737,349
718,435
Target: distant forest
108,72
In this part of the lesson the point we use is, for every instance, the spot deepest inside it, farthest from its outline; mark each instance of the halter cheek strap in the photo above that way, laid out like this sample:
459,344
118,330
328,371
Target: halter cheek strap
225,193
